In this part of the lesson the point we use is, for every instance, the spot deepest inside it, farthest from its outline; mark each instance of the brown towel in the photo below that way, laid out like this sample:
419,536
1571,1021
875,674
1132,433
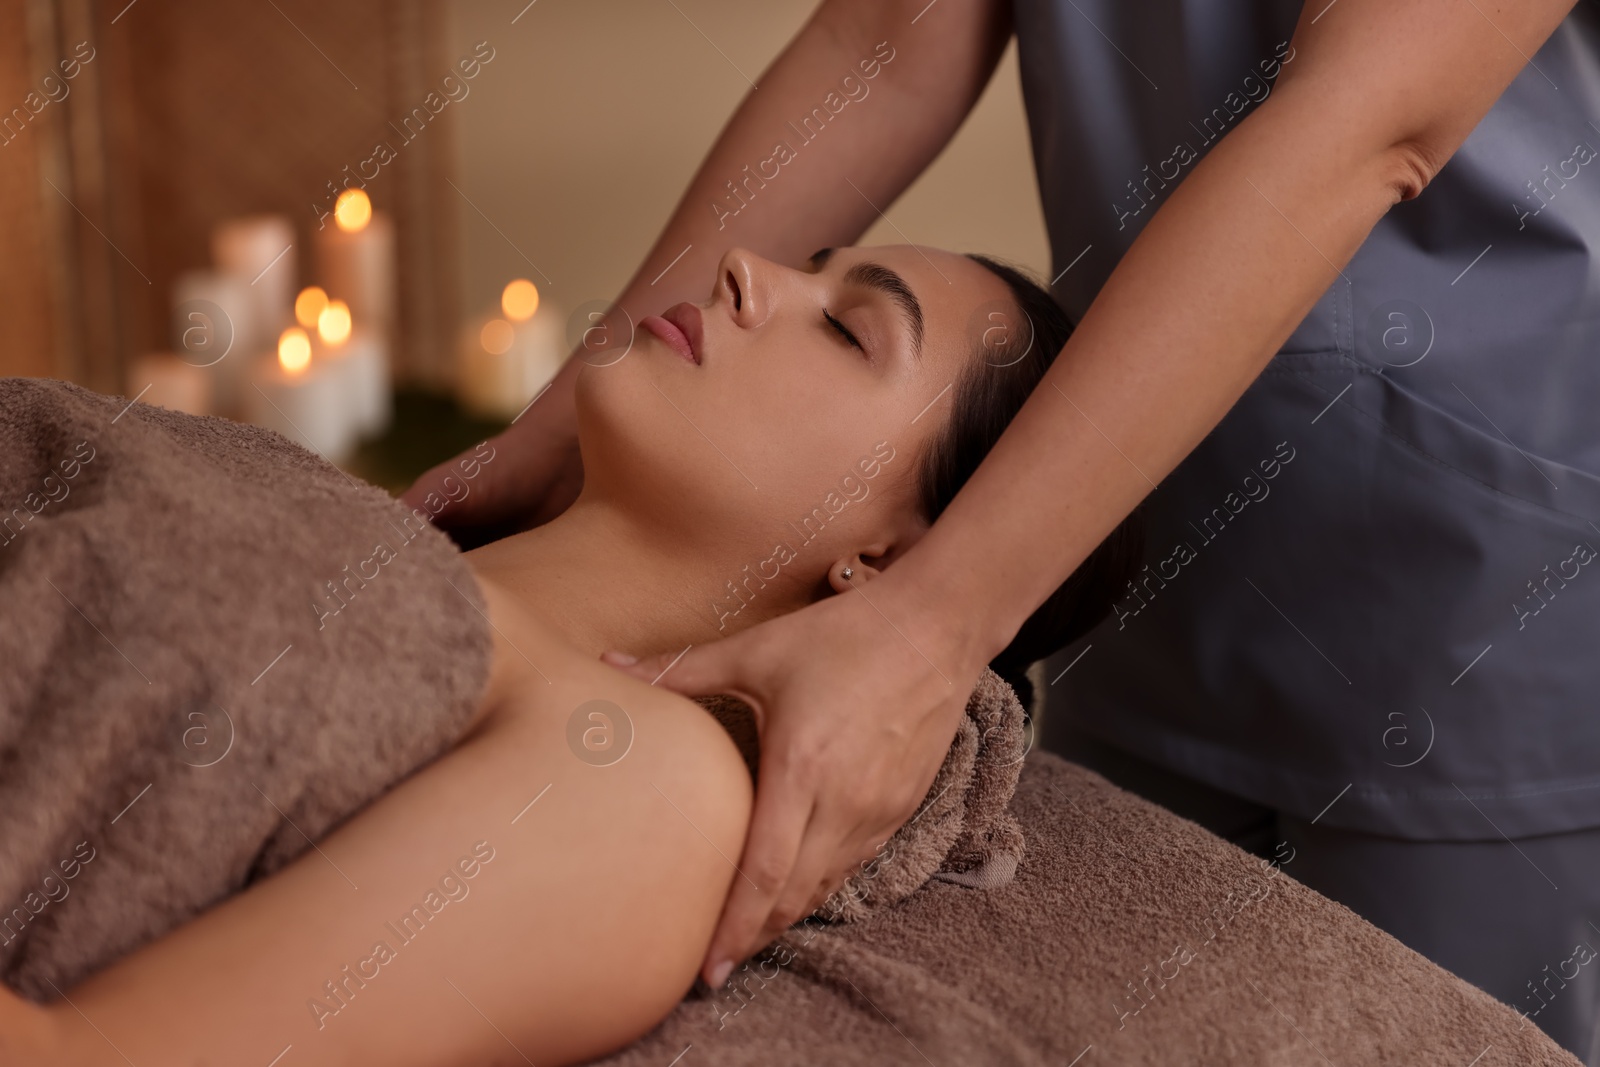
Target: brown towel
184,701
962,833
210,664
161,572
1128,936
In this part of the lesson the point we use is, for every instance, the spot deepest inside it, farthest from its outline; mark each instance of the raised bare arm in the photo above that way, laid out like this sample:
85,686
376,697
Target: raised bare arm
926,73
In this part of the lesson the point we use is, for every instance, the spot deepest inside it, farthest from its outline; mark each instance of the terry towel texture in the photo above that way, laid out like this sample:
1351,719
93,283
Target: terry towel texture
1129,936
187,702
964,832
175,714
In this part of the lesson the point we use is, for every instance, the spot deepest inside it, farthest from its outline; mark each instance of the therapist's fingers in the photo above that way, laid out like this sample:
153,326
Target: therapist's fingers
692,671
813,865
778,825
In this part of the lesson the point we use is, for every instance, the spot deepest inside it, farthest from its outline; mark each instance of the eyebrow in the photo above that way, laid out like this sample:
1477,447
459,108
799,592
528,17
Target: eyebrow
876,276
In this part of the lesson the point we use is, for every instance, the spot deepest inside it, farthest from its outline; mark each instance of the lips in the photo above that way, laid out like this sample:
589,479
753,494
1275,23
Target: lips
681,328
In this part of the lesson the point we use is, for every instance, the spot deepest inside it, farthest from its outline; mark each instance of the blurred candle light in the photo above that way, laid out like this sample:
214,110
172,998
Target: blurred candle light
352,211
497,336
309,305
355,260
491,373
358,356
519,300
502,363
294,351
333,323
302,398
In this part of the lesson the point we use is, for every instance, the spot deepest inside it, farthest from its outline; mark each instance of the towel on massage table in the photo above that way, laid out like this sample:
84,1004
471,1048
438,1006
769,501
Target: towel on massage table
1127,936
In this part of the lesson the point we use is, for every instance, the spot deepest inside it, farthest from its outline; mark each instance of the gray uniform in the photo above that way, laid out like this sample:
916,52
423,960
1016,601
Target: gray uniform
1371,606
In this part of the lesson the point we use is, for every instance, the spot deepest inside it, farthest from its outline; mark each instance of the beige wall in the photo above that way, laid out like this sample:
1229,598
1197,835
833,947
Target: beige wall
581,134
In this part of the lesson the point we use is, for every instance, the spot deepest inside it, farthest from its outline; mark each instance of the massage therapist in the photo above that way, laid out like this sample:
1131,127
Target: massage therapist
1354,245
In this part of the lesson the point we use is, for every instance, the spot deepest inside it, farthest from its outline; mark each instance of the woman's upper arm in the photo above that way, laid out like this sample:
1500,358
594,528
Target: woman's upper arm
502,894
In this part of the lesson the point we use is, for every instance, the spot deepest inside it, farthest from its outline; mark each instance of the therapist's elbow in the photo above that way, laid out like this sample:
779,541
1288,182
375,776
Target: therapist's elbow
1406,168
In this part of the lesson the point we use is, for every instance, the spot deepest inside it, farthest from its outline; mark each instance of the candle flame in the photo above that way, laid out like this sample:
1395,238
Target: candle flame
352,211
309,304
520,300
496,336
294,350
333,325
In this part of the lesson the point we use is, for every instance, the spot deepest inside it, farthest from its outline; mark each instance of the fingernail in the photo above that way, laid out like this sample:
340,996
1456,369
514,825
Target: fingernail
719,973
621,659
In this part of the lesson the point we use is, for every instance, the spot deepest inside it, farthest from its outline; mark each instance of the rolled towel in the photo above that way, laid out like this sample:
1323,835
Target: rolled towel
964,832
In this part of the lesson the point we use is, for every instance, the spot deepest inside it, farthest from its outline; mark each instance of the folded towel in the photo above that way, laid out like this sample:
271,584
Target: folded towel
186,700
963,832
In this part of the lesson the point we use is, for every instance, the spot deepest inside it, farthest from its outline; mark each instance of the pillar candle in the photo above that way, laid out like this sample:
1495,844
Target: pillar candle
303,398
491,375
368,356
361,358
544,347
167,380
260,250
503,361
214,327
355,260
501,366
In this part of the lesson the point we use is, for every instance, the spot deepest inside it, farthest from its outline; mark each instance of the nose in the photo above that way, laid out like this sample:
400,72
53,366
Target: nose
743,279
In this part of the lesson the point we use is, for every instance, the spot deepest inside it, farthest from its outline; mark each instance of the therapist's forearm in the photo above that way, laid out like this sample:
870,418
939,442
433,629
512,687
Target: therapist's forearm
1194,311
1207,293
880,143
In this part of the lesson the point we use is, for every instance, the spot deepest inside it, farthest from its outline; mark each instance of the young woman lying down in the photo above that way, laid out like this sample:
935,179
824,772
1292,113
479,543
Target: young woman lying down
783,442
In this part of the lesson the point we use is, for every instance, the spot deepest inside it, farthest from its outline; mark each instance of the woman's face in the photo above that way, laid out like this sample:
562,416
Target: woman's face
782,430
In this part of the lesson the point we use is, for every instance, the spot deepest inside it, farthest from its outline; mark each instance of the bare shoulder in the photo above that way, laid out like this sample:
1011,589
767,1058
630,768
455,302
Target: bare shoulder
542,688
540,679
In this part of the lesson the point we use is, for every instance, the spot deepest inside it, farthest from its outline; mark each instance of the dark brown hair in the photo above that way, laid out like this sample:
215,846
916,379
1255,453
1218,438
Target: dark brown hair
993,388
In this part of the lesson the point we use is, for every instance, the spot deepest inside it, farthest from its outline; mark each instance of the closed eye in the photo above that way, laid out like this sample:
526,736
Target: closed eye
837,325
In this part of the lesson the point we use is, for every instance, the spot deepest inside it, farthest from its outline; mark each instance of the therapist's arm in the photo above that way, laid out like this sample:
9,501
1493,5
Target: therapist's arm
896,122
858,713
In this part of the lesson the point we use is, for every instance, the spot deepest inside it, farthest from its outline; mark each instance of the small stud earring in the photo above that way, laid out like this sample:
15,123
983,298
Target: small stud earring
846,574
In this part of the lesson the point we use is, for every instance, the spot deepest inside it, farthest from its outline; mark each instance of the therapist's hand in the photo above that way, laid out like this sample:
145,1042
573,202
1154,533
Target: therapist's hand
533,474
857,698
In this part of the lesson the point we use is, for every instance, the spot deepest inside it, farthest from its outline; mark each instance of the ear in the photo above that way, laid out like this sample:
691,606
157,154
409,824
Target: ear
870,560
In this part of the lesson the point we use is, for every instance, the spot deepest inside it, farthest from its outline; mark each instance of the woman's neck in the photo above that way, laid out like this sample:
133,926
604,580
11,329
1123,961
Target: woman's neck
604,583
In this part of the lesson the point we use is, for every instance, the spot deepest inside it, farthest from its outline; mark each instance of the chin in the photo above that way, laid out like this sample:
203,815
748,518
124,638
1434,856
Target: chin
640,454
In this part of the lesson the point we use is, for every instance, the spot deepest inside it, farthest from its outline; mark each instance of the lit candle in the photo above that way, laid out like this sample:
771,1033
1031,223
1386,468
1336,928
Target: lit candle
214,327
168,380
538,337
357,355
260,251
356,260
505,360
309,306
302,398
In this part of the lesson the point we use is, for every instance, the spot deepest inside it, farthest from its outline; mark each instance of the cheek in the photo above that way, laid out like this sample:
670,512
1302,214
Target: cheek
735,455
801,425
